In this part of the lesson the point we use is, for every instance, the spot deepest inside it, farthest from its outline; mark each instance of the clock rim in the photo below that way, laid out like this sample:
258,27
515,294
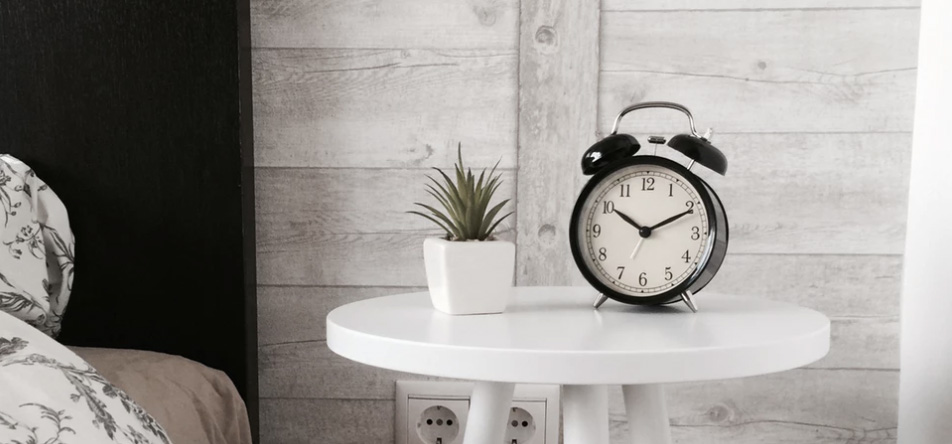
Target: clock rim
674,294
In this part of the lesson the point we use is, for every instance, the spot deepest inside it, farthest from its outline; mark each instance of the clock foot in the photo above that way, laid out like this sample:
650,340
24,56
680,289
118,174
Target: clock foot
686,297
601,300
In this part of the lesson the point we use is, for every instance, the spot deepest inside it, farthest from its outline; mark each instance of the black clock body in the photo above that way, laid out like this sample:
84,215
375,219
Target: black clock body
708,262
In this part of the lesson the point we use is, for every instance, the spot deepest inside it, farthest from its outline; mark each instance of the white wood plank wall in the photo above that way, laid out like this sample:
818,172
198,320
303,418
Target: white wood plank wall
811,100
354,101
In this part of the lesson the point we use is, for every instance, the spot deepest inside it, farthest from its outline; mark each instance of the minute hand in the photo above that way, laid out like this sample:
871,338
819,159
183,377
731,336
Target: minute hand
672,219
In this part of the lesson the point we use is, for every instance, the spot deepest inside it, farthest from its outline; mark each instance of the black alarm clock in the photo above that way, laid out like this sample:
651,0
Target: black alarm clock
645,229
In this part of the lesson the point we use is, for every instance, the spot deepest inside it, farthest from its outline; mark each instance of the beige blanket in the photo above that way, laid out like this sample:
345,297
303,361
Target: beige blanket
196,404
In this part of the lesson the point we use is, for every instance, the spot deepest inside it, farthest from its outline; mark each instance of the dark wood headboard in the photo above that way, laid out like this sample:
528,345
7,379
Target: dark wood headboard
138,115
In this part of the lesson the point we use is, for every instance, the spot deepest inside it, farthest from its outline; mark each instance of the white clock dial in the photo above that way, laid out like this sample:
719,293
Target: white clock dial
672,241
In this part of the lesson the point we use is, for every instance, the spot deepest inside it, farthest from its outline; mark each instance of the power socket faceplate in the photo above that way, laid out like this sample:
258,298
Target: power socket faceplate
540,402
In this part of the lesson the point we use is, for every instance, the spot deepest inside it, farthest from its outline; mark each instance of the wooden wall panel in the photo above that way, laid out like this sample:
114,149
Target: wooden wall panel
345,421
799,406
375,108
812,104
298,314
558,53
754,5
840,286
801,46
881,102
810,99
389,24
354,102
814,193
346,227
300,202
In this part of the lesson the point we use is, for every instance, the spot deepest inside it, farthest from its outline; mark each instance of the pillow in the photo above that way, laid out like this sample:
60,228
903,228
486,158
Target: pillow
36,248
49,395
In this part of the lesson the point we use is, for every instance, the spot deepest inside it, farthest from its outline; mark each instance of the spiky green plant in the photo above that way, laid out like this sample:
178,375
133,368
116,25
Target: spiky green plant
466,215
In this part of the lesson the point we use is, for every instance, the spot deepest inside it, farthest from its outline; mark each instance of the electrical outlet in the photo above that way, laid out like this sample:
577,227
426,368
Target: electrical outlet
533,417
435,420
521,428
438,424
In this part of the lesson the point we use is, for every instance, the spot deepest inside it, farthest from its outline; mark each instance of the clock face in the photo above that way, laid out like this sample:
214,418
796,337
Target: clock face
642,230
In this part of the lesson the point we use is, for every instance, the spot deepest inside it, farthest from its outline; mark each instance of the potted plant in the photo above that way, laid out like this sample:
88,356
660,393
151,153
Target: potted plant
468,270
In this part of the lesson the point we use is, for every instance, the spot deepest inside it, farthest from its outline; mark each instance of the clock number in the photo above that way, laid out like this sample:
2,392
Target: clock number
670,190
668,275
608,207
621,271
625,190
602,254
643,279
647,184
689,204
695,233
685,256
597,229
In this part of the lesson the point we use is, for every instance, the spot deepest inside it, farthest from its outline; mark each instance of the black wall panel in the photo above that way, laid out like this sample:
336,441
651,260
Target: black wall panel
138,114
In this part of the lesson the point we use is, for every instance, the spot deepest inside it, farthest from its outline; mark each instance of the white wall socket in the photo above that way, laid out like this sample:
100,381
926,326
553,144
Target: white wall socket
533,418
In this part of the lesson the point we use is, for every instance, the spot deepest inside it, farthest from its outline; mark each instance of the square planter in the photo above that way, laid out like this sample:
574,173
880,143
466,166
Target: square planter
471,277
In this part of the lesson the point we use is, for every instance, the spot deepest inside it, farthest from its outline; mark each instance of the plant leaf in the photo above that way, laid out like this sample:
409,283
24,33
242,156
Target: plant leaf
449,224
448,234
488,219
493,227
449,198
453,193
446,205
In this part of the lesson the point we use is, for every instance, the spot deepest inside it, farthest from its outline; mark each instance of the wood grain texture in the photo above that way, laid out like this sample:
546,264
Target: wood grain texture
387,24
326,421
816,46
295,203
384,108
799,406
863,343
881,102
814,193
755,5
344,259
319,238
297,314
311,370
845,287
396,259
839,286
558,52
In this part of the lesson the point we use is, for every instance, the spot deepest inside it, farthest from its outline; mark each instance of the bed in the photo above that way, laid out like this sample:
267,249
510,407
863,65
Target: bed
138,115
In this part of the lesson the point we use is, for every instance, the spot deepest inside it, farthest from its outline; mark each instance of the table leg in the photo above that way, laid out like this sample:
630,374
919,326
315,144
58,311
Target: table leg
585,414
488,413
647,414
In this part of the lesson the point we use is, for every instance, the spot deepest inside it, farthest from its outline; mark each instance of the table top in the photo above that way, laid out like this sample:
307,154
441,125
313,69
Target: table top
553,335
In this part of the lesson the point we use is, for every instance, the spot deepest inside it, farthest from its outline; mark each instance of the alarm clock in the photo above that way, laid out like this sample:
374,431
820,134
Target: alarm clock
645,229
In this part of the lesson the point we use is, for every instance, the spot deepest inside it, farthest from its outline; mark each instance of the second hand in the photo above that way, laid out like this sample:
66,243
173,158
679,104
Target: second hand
637,246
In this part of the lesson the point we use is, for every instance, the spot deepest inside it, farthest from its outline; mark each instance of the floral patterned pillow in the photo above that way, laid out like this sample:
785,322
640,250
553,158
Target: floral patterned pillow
36,248
50,395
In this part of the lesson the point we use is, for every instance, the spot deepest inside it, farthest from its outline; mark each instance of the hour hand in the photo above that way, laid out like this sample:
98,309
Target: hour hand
628,219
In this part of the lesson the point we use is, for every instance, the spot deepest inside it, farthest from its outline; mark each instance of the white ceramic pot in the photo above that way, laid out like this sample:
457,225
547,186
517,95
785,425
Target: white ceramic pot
469,277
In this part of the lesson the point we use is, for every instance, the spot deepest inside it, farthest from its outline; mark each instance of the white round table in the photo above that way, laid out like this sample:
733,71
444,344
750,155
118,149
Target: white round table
552,335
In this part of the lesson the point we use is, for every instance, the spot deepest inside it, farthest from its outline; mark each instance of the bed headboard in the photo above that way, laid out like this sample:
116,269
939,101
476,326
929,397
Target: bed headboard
138,114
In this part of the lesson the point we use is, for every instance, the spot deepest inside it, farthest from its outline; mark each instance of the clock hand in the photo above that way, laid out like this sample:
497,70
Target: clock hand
637,247
628,219
672,219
